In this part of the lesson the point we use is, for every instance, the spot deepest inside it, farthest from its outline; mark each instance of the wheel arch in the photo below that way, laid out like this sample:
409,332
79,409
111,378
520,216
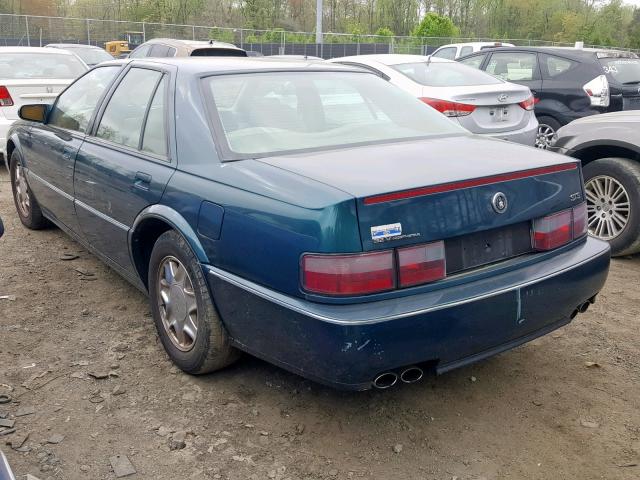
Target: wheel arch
13,142
147,228
590,151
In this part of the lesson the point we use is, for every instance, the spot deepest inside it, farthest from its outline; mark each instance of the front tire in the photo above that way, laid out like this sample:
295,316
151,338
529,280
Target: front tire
186,319
612,188
26,204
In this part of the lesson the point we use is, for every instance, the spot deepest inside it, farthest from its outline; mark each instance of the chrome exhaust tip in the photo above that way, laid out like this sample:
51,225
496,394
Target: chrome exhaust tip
584,307
385,380
411,374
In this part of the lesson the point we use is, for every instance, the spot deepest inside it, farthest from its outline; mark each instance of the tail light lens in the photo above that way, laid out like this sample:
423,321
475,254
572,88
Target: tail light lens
421,264
5,97
598,91
357,274
580,224
529,103
449,109
558,229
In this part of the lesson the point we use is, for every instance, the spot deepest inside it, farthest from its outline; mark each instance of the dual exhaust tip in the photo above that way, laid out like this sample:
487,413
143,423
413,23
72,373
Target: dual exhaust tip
583,307
386,380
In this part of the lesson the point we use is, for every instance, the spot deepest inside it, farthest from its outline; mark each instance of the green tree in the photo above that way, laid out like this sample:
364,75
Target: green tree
434,25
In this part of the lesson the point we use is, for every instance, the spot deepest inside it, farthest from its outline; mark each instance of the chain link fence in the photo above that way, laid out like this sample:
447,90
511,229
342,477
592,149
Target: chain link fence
30,30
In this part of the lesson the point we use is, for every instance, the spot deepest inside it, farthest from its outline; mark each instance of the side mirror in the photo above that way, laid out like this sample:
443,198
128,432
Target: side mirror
34,113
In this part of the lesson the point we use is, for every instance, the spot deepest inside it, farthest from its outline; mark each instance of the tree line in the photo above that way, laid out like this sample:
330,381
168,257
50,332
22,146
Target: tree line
600,22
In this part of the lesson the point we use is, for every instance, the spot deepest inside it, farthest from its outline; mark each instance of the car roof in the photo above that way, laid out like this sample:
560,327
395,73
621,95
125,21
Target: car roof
213,65
390,59
71,45
474,44
47,50
577,53
192,44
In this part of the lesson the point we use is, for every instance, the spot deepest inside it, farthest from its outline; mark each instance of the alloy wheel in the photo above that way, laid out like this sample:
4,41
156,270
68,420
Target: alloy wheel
608,207
22,191
544,136
177,302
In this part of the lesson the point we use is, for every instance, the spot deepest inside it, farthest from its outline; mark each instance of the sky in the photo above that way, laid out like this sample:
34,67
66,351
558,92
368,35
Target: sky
633,2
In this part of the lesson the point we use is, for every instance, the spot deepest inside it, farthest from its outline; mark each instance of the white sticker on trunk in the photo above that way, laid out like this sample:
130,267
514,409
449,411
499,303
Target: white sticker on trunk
385,232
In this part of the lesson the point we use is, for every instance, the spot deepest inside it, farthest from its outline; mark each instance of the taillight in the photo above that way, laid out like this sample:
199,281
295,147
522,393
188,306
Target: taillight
580,225
529,103
598,91
5,97
560,228
421,264
356,274
449,109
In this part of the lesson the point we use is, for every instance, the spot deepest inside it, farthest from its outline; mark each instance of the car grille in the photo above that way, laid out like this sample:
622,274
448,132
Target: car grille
489,246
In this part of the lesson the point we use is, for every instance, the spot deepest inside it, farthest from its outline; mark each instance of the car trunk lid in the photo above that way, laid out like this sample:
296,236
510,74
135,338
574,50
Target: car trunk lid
416,192
497,106
26,91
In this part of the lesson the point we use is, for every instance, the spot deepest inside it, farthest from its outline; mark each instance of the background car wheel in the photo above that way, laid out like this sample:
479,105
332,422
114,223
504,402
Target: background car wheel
547,128
26,204
612,187
185,317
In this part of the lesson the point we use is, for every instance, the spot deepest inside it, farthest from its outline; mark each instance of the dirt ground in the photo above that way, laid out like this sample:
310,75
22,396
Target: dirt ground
566,406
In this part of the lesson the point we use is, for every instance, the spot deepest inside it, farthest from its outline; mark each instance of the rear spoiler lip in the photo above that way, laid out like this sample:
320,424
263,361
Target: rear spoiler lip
462,184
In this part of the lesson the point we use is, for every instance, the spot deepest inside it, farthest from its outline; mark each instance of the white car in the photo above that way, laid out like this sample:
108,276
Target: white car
483,104
457,50
32,75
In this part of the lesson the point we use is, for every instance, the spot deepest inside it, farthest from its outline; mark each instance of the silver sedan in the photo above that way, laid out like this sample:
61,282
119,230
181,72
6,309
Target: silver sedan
480,102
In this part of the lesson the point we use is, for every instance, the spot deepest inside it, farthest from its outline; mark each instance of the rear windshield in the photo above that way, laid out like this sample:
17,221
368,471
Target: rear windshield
260,114
622,70
18,66
218,52
91,56
437,74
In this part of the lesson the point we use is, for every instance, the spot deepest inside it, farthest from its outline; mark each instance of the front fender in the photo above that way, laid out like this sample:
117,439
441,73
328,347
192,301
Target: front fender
177,222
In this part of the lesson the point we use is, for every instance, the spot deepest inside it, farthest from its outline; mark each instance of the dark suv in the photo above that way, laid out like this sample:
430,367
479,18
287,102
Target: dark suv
567,83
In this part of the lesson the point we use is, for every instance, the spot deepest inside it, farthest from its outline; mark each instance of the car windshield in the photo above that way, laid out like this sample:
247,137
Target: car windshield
91,56
436,74
623,70
265,113
18,66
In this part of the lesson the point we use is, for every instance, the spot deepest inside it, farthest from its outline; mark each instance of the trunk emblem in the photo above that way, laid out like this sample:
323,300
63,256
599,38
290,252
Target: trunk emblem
503,97
499,202
49,89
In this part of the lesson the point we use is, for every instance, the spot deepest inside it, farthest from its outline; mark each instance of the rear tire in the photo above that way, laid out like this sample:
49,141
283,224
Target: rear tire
186,319
621,177
547,128
26,204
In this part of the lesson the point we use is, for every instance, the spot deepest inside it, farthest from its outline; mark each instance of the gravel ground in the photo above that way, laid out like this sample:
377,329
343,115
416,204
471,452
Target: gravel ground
566,406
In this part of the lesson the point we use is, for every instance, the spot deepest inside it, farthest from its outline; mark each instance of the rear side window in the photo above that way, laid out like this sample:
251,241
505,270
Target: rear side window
445,74
125,114
448,53
555,66
474,61
154,139
466,51
159,51
513,67
74,107
623,70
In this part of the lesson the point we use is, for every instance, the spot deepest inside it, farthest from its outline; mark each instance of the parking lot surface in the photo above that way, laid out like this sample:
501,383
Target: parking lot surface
80,356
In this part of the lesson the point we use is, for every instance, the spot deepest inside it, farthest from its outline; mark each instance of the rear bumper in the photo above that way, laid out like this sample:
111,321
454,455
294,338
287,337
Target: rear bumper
346,346
4,130
525,136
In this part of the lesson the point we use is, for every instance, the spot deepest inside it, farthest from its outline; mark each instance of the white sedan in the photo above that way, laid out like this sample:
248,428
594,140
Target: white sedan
32,75
483,104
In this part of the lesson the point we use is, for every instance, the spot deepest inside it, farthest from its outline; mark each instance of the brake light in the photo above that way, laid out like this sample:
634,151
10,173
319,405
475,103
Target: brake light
355,274
449,109
421,264
529,103
560,228
5,97
598,91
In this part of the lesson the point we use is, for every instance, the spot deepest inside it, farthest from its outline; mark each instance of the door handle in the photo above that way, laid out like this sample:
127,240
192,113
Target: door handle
142,181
